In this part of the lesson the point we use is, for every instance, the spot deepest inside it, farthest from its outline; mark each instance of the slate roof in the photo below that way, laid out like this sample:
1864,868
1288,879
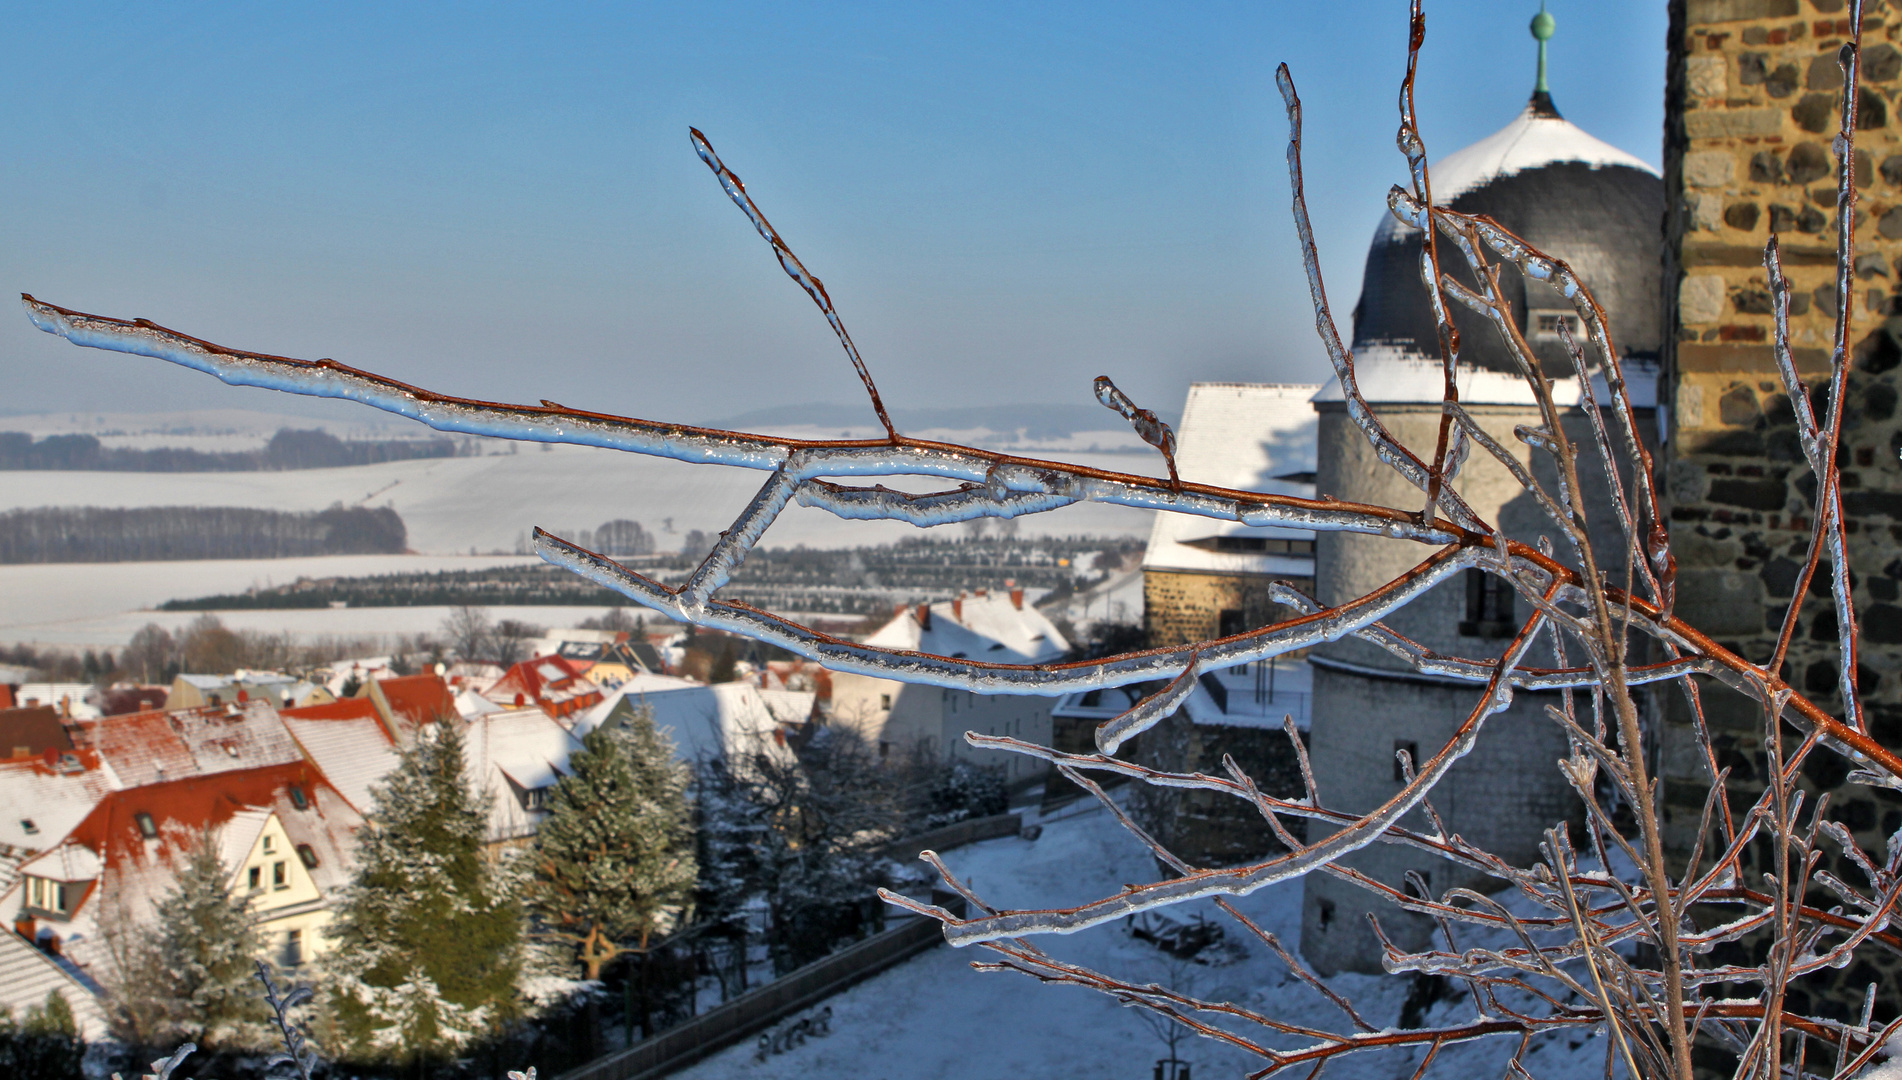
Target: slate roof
1563,191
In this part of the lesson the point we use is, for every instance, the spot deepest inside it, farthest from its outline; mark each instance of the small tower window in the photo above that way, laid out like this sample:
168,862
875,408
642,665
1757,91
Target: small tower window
1489,604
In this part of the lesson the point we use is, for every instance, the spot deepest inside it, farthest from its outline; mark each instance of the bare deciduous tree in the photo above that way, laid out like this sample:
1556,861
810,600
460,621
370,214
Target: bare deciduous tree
1586,945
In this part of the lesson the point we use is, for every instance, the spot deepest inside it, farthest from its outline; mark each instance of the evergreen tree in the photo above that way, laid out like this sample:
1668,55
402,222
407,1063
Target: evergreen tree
46,1047
207,951
428,932
614,861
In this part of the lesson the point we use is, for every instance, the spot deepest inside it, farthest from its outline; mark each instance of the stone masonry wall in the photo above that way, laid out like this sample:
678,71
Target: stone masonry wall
1751,109
1183,606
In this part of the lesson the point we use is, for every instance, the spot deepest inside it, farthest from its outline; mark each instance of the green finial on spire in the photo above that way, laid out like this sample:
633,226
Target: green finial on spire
1542,26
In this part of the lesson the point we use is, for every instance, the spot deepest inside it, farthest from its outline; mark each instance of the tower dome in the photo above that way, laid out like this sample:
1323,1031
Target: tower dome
1566,193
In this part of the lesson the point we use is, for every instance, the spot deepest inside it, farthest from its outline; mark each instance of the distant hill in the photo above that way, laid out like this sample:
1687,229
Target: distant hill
1033,421
288,449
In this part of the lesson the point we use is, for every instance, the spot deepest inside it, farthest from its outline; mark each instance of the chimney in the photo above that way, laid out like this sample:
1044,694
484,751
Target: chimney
924,616
1016,596
24,926
957,608
982,593
521,699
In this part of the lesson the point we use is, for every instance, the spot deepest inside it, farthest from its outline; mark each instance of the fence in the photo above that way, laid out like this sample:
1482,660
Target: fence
757,1010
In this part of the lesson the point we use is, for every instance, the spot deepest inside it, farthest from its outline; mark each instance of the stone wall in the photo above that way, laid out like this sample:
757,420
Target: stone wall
1751,109
1181,606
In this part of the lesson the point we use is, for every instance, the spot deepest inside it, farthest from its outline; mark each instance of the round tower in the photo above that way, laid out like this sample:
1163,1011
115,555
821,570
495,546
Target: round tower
1601,210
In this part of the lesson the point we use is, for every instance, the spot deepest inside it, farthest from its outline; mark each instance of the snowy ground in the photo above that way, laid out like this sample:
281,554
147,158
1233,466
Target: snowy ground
489,504
934,1017
93,605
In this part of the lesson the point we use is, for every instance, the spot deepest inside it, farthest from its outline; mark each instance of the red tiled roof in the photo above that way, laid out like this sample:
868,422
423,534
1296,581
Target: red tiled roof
549,681
154,747
355,708
183,809
417,699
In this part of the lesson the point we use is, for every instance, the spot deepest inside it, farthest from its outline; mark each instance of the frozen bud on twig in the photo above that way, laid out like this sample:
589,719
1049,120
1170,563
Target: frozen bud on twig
1147,424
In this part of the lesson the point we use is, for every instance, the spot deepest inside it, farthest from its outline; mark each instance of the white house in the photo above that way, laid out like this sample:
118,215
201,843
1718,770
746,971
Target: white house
902,718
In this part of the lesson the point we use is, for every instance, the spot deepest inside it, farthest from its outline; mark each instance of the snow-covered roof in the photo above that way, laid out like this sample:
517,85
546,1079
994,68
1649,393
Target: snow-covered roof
702,721
338,674
1399,373
67,862
627,695
28,976
151,747
789,707
348,742
992,625
43,804
77,700
516,750
139,870
1529,141
1251,436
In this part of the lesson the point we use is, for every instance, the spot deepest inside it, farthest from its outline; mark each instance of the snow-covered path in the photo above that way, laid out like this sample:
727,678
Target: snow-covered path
934,1018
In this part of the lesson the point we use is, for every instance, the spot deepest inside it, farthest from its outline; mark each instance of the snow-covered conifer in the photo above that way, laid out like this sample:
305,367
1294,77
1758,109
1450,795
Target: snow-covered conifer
614,861
428,933
207,951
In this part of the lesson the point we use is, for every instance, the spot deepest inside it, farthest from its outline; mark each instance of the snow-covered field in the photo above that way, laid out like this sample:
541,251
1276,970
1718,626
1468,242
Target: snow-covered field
933,1017
489,504
100,604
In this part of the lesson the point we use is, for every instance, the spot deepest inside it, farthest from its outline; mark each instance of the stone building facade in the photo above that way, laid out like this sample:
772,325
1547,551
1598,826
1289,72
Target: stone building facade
1751,109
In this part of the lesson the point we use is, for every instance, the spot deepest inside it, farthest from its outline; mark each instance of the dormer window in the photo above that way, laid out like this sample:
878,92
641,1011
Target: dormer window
147,827
29,827
536,798
307,855
46,895
298,798
1546,325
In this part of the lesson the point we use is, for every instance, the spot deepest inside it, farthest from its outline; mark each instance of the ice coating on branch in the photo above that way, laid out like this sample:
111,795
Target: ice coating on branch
983,678
1147,424
1147,713
795,269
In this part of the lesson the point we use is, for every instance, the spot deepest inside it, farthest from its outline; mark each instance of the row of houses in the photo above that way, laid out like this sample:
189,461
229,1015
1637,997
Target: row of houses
97,811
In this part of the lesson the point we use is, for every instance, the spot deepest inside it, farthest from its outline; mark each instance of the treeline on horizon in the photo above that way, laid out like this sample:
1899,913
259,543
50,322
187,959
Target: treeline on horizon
288,449
80,534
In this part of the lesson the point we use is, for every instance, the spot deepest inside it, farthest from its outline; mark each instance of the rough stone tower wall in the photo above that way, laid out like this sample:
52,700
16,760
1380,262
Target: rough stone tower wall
1751,109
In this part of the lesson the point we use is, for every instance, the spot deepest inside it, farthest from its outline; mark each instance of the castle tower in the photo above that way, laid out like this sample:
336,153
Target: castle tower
1599,209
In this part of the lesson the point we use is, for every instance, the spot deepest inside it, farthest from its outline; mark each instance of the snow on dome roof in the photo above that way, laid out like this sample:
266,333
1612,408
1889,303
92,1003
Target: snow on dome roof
1530,141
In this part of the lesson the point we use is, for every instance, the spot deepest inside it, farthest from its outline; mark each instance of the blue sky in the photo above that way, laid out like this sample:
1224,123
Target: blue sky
1005,200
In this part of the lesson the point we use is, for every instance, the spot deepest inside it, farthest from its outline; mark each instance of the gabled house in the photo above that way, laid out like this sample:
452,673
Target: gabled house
705,721
154,747
242,687
281,830
409,703
516,756
42,800
348,741
623,661
900,719
1203,578
550,683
